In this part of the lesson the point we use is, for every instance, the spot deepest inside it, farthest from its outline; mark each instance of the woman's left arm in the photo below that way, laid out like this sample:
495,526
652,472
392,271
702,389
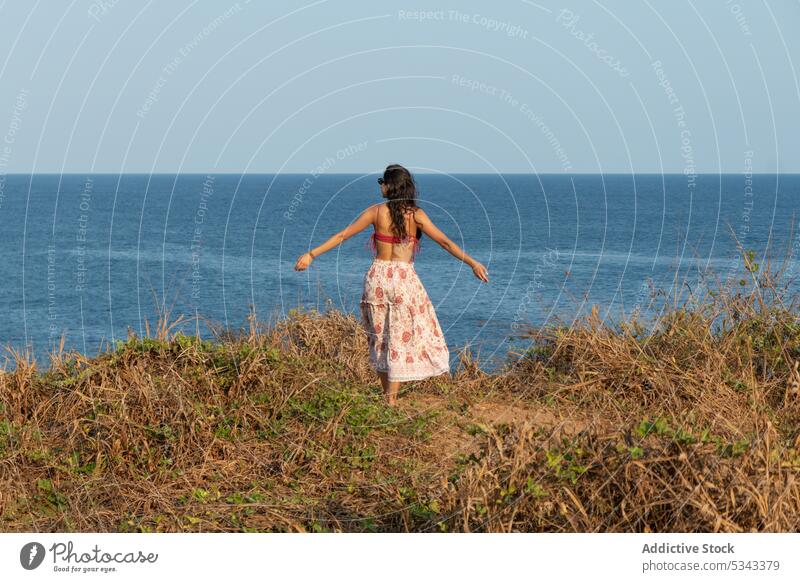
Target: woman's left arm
363,221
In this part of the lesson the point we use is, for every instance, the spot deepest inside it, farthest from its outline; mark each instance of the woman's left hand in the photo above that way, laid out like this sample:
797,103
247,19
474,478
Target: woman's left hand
303,262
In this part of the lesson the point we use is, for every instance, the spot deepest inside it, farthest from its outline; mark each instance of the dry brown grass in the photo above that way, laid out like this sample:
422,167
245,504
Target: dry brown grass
692,424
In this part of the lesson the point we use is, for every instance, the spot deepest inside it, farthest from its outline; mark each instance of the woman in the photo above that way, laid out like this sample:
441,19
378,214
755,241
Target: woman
405,340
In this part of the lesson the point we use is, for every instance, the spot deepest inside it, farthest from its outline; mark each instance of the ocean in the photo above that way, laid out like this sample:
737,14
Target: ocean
89,257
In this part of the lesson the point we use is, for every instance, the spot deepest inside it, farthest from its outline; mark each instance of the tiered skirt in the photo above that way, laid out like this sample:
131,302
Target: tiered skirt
405,338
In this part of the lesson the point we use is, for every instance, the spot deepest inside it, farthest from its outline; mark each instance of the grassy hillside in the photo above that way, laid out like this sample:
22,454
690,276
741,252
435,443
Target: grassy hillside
691,425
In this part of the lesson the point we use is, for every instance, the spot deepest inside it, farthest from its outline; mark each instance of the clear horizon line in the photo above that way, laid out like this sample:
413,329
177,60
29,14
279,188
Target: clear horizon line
454,173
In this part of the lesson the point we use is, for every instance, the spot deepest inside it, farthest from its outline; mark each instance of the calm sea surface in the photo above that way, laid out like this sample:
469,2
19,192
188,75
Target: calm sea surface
91,256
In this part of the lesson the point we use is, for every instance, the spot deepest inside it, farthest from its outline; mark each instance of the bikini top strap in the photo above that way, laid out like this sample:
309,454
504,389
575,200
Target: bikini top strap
414,218
376,236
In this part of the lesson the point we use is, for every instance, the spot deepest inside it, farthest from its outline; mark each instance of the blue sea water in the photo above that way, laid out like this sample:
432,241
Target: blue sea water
90,256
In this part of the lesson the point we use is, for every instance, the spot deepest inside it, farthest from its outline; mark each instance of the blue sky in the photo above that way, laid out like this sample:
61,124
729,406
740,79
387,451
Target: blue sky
581,86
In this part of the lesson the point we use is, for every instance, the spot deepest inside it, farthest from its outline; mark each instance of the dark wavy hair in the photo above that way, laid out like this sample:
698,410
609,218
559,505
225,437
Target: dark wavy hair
401,195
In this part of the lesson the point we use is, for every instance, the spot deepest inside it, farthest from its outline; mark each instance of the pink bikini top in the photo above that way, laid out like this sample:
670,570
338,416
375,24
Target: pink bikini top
376,236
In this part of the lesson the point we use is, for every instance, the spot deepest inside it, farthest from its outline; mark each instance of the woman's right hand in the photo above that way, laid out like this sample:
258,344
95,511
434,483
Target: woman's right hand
480,272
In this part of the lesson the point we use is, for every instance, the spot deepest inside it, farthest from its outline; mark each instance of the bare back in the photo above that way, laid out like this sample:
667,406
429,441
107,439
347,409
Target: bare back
383,225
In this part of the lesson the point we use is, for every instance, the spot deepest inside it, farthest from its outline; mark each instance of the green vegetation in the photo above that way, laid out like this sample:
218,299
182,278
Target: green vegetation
689,423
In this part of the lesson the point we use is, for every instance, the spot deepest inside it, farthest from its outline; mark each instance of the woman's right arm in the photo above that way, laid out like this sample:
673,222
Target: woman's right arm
430,229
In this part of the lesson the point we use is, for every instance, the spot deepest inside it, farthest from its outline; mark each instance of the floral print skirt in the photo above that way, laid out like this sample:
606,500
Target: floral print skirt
405,339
